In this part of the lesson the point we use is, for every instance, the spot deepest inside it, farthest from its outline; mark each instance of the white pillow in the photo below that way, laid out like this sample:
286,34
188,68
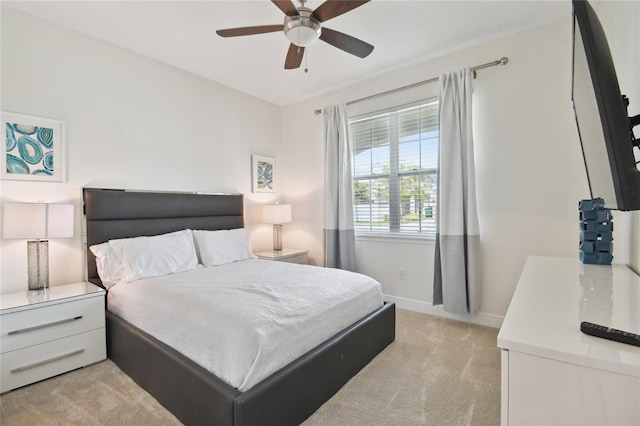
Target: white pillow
144,257
108,264
220,247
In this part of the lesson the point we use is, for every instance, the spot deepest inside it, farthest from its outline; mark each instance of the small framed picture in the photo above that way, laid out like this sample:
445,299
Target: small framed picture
32,148
263,171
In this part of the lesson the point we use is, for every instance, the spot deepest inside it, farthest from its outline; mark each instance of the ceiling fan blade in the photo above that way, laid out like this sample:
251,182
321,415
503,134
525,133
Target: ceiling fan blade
346,42
294,57
332,8
286,6
243,31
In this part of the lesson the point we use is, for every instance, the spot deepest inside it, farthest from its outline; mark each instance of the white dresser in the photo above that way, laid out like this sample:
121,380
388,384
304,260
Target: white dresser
552,373
48,334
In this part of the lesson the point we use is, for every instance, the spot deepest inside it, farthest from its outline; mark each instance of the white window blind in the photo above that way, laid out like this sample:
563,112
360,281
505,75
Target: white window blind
395,166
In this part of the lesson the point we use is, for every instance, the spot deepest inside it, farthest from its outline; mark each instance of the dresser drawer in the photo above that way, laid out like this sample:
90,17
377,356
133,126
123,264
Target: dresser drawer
44,324
39,362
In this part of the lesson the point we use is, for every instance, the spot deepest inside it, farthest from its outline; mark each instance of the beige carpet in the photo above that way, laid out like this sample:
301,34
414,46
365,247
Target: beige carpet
437,372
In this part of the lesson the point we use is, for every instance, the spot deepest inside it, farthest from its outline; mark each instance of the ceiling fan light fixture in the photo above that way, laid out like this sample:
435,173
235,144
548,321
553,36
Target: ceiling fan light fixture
302,30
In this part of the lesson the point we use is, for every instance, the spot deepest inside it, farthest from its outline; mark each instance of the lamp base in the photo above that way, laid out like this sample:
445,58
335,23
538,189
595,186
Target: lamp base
277,237
38,265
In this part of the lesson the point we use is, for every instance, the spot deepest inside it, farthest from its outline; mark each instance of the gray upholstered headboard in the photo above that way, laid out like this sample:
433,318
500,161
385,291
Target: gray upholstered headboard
112,214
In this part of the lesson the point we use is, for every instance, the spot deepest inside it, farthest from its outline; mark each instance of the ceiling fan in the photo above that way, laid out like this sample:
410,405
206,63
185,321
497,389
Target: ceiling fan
303,26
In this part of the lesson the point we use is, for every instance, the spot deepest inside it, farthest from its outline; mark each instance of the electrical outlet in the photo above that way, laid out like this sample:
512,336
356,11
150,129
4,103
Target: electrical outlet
402,273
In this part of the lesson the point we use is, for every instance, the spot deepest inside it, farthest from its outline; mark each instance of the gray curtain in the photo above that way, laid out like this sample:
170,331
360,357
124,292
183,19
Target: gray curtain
456,277
338,233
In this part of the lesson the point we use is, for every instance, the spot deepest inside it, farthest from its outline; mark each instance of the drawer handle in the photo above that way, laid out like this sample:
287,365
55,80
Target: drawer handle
38,327
46,361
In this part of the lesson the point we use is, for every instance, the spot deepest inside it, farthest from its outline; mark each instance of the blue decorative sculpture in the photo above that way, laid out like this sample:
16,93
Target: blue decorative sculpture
596,232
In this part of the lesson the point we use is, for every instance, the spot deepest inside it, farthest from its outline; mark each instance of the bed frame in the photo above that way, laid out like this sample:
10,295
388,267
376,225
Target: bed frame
191,393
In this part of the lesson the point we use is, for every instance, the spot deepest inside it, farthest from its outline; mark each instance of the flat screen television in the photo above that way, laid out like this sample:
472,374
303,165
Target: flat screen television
604,126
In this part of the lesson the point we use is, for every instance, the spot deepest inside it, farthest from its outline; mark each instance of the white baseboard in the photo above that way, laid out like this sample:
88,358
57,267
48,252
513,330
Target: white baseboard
481,318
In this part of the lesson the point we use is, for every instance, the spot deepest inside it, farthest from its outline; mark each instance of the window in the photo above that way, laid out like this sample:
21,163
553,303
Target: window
395,167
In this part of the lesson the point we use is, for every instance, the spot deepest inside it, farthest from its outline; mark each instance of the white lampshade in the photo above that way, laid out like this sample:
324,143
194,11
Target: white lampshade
37,220
24,220
60,221
276,214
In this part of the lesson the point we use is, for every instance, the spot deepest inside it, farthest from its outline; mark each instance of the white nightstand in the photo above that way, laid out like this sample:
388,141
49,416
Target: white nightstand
285,255
48,334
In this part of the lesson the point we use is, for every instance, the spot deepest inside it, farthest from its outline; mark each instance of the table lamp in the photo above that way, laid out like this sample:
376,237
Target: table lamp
38,221
277,214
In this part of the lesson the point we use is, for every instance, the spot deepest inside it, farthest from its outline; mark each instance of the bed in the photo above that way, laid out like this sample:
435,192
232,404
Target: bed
192,393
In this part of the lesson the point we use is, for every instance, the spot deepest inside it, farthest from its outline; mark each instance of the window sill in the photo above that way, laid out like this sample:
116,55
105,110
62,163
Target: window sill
397,238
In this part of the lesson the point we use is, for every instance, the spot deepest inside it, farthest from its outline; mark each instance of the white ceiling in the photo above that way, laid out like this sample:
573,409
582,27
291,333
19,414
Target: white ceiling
182,33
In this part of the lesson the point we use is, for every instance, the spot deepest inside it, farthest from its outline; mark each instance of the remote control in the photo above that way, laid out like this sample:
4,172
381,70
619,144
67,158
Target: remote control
610,333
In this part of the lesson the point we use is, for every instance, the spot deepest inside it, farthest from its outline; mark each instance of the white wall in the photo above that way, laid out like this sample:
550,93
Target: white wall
131,122
530,173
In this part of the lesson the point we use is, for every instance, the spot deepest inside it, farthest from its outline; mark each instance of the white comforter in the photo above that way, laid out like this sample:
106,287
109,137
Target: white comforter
244,321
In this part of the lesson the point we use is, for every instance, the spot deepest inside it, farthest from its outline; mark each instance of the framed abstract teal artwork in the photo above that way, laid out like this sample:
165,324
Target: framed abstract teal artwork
32,148
263,172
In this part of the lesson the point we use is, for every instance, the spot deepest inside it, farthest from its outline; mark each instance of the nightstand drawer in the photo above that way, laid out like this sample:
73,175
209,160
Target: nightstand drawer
34,326
299,258
285,255
39,362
